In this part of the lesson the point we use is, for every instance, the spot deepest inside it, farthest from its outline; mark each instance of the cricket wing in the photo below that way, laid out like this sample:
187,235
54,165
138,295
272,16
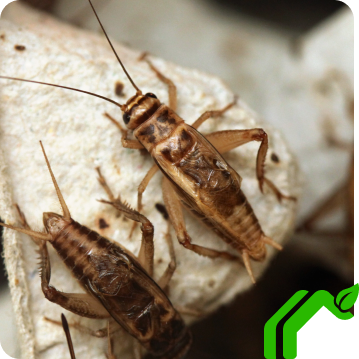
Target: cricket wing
131,296
209,187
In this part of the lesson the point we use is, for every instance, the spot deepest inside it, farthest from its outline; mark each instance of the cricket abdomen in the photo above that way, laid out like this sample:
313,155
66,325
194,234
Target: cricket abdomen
77,245
210,188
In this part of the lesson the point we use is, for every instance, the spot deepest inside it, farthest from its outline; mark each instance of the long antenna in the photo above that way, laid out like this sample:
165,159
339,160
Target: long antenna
114,51
65,87
59,194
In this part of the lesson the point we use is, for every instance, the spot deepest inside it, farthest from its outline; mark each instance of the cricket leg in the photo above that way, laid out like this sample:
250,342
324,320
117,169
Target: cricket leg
143,185
99,333
214,113
147,247
110,354
167,275
141,188
105,186
133,144
137,349
225,141
172,90
174,208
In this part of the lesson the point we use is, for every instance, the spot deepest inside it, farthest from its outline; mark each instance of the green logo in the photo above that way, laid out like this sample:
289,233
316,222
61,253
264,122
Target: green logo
308,306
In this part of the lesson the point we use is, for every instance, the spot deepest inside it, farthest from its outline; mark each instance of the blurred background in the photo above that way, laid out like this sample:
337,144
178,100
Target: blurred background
293,63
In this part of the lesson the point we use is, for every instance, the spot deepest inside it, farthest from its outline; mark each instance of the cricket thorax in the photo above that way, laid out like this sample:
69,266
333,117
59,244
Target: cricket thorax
139,109
162,125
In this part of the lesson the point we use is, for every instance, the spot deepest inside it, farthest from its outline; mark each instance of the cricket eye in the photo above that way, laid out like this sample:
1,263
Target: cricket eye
126,118
151,95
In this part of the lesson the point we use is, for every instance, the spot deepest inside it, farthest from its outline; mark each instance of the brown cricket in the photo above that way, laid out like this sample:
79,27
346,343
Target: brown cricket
196,175
118,285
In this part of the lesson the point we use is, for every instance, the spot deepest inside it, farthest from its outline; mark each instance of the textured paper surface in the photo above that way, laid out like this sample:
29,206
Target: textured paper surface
77,138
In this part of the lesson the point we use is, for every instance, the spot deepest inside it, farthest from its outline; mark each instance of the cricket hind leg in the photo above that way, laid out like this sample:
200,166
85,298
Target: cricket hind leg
172,90
225,141
146,253
174,208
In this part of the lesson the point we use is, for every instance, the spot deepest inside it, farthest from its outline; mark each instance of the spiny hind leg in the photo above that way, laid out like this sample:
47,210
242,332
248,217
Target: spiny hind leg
79,303
172,90
174,208
214,113
146,253
225,141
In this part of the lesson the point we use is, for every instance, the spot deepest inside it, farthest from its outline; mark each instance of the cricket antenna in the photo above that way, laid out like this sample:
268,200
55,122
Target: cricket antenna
114,51
66,88
59,194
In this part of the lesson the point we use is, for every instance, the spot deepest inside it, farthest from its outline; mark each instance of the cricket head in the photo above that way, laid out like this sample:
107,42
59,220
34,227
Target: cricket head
139,108
54,223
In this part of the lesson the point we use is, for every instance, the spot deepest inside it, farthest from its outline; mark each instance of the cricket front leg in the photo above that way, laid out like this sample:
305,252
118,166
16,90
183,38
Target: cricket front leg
174,208
225,141
127,143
